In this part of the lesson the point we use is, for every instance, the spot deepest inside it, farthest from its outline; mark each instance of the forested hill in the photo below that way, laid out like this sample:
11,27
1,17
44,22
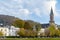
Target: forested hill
7,20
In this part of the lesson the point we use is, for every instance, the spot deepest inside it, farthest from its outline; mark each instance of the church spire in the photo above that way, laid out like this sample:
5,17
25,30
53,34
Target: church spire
51,12
51,16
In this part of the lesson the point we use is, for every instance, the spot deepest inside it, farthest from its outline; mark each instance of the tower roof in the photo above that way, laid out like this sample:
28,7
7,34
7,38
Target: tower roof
51,12
51,16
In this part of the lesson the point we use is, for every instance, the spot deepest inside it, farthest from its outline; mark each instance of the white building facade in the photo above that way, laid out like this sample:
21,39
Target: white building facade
9,31
5,31
13,31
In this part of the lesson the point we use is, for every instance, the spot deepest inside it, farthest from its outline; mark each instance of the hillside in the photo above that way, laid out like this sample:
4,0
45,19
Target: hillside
7,20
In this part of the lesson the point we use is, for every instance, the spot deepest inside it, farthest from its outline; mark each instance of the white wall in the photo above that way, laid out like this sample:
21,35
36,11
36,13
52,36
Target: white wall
5,31
13,31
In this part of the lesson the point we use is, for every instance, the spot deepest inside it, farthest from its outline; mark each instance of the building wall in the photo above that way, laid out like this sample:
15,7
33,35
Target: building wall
5,31
12,31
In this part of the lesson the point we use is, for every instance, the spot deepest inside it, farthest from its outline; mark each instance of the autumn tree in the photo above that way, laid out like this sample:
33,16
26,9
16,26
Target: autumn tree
33,33
21,32
47,32
27,25
18,23
30,33
25,32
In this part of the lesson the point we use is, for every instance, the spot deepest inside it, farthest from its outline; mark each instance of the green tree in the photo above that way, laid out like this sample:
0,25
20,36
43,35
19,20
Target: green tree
52,29
18,23
38,26
57,33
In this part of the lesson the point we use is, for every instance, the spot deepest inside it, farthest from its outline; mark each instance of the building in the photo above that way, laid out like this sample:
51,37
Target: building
8,30
51,20
42,31
13,31
44,28
5,31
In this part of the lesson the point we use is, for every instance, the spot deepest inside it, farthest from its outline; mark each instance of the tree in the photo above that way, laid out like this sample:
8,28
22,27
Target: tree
33,33
25,32
30,33
1,34
38,26
52,30
21,32
57,33
18,23
27,25
47,32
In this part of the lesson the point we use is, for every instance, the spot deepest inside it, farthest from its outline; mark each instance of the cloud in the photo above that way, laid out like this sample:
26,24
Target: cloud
51,3
37,12
47,6
24,12
41,6
28,7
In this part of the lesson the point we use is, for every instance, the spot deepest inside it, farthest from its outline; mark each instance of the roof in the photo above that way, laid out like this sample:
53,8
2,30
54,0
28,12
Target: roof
44,25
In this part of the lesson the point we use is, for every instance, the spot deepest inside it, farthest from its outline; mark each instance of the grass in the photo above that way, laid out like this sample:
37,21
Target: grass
31,39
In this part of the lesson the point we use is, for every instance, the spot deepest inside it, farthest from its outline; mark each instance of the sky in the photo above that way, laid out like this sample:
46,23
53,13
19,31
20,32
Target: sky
36,10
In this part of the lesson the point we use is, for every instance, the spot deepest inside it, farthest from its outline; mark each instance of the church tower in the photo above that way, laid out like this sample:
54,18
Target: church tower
51,17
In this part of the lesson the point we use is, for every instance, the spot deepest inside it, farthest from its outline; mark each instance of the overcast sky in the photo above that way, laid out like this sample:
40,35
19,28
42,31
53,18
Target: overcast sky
36,10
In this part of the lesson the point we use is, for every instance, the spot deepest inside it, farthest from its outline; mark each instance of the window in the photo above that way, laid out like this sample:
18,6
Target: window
1,29
5,30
